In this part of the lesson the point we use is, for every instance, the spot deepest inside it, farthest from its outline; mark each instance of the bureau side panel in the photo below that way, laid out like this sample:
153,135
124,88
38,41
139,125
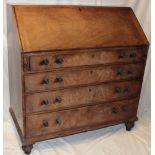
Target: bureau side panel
15,72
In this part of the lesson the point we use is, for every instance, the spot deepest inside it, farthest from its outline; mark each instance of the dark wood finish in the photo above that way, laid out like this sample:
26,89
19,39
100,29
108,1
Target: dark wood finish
62,59
129,125
27,148
71,69
61,79
63,27
75,118
79,96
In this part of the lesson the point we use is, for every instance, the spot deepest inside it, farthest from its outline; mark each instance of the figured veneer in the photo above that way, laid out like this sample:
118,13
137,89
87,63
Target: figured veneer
48,61
62,79
80,117
73,69
81,96
64,27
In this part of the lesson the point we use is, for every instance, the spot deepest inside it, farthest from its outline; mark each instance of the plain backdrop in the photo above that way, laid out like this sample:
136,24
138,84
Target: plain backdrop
108,141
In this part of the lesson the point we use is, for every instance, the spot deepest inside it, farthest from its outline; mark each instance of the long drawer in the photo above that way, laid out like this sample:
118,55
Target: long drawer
54,60
61,99
60,79
75,118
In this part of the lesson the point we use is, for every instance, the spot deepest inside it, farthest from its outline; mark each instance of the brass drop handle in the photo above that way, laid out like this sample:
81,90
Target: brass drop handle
133,55
114,110
124,108
59,120
45,62
58,99
45,102
59,79
45,81
45,123
59,61
118,90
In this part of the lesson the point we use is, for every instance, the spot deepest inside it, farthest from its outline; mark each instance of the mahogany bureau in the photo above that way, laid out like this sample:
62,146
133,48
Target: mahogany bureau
73,69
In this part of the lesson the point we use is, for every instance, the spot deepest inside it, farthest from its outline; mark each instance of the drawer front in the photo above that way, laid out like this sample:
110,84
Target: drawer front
41,62
61,79
90,95
75,118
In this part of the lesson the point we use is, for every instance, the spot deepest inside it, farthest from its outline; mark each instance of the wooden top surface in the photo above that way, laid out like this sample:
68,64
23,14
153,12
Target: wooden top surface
67,27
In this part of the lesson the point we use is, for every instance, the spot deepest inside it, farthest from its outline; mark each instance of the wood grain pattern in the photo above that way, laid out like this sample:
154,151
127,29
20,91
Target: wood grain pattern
73,69
75,97
79,117
48,61
63,27
31,140
35,82
15,70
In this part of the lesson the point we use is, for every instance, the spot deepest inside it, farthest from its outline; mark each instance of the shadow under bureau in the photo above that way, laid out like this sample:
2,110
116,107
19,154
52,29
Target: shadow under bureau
73,69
